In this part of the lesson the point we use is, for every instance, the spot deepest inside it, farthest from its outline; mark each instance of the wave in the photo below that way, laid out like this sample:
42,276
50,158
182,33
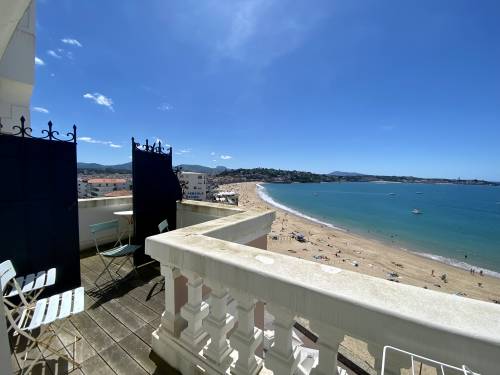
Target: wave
458,263
261,191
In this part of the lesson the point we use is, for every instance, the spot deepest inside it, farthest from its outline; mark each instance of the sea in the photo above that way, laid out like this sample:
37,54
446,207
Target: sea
457,224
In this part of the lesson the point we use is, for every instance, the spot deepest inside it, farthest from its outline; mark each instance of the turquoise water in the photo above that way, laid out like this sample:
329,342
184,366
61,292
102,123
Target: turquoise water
459,224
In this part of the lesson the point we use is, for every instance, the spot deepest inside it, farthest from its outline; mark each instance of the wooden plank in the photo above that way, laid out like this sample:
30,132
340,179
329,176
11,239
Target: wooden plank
139,351
81,350
112,326
142,311
124,315
96,366
92,332
144,334
121,362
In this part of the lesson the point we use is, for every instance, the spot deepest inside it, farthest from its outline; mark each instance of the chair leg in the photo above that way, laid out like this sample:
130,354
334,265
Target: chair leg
106,269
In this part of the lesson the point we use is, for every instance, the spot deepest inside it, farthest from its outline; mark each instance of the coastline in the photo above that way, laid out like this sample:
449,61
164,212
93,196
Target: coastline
439,258
329,244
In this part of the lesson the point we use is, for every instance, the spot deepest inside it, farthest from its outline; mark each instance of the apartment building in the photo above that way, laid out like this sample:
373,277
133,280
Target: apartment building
194,185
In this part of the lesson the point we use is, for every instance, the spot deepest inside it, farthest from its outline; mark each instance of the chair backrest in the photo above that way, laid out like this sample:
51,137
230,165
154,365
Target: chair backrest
102,230
7,273
105,226
163,226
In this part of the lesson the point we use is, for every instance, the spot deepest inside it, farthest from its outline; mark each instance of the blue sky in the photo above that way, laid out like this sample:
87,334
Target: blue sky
383,87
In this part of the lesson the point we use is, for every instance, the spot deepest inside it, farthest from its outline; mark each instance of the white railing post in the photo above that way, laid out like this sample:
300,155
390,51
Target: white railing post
171,320
246,337
194,311
282,359
218,324
328,345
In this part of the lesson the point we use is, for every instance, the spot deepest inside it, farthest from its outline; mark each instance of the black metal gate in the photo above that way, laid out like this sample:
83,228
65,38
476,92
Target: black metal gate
156,190
39,204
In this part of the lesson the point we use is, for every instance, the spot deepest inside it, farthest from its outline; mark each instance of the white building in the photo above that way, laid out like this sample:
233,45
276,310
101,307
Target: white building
194,185
17,56
99,187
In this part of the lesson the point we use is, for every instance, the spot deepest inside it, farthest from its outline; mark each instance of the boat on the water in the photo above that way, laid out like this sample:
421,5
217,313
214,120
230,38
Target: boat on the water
416,211
419,192
392,194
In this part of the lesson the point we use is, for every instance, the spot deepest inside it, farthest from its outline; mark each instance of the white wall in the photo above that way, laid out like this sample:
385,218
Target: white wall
97,210
17,64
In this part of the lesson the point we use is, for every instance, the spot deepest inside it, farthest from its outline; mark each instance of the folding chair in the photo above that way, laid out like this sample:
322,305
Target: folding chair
42,314
163,226
31,285
118,251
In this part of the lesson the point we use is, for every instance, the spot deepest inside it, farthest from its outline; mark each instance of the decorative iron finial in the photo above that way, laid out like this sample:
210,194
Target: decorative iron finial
50,134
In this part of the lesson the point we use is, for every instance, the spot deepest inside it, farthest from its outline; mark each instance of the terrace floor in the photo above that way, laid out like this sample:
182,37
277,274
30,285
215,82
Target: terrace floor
116,328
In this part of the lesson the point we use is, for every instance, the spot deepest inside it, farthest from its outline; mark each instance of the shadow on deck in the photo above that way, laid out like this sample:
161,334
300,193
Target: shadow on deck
116,327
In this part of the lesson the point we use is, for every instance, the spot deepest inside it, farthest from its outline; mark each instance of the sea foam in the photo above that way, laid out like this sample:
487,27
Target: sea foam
458,263
261,190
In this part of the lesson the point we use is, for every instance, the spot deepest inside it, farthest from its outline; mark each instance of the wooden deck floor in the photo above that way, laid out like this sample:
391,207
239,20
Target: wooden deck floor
116,328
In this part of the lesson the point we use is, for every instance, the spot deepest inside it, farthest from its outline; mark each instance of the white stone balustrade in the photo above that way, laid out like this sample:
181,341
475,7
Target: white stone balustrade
337,303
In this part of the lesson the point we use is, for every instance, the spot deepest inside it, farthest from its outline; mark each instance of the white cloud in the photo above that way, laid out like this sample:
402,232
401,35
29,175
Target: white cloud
53,53
226,157
97,141
214,160
39,61
183,152
165,107
254,32
212,153
72,42
100,99
387,127
40,109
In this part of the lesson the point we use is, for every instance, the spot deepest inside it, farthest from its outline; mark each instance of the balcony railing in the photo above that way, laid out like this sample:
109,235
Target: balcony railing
198,332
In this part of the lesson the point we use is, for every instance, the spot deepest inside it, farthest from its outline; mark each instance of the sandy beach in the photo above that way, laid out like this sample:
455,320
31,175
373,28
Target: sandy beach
350,251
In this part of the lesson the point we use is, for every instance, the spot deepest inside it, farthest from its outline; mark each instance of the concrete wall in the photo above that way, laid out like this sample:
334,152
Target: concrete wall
17,65
195,212
97,210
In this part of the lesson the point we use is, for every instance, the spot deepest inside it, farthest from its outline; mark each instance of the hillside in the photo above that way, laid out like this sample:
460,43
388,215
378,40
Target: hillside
127,168
284,176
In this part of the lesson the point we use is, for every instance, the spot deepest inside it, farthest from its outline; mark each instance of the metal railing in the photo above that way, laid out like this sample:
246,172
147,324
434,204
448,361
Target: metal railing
424,360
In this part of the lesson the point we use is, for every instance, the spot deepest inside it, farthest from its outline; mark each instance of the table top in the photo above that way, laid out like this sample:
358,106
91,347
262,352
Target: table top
123,213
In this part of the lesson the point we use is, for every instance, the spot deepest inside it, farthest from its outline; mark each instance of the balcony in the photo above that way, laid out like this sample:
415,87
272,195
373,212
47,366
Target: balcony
228,304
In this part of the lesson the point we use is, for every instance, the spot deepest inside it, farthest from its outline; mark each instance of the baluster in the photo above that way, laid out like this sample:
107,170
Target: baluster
328,345
218,324
171,320
282,359
194,336
246,337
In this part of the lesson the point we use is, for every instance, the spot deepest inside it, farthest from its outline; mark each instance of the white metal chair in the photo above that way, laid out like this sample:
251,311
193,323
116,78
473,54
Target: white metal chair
118,251
41,314
31,285
464,370
163,226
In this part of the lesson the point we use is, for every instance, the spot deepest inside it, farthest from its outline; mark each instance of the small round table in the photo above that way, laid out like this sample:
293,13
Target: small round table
129,215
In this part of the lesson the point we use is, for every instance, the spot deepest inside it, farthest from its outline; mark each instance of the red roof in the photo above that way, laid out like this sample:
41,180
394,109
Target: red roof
107,181
118,193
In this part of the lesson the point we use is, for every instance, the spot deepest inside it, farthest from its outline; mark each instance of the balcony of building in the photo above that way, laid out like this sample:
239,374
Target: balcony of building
216,301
